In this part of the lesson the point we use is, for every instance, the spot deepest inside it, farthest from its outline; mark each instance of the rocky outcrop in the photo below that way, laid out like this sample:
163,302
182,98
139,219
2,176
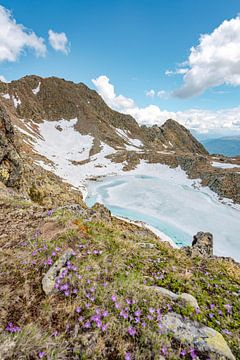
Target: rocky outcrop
174,136
50,278
202,245
184,298
10,163
205,340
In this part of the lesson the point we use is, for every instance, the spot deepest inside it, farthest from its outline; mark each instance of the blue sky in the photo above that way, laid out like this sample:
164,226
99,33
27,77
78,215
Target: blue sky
131,42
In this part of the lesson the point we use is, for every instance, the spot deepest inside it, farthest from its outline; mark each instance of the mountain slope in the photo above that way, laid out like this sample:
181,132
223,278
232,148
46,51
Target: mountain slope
229,146
68,129
53,99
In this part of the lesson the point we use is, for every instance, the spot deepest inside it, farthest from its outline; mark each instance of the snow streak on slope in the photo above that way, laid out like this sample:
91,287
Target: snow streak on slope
173,204
224,165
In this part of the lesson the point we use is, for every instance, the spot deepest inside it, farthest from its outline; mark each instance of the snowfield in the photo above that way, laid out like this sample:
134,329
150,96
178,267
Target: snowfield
171,203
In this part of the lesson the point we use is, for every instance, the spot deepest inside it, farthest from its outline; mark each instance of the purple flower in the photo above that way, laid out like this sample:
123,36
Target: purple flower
143,324
211,315
151,310
41,354
78,309
193,354
54,253
132,331
164,350
137,313
117,305
114,298
105,313
124,314
104,327
128,356
49,261
227,332
228,307
12,328
87,325
212,306
183,353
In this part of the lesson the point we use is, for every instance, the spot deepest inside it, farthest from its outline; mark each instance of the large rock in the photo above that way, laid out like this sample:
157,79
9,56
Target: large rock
10,164
184,298
49,279
202,245
205,340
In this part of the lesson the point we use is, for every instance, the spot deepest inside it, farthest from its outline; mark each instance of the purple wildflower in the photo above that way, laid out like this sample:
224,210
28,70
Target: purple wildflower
128,356
164,350
228,307
114,298
41,354
78,309
12,328
137,313
193,354
132,331
183,353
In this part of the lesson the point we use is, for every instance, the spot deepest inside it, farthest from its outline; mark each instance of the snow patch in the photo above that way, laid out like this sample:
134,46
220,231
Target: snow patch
6,96
16,101
132,144
224,165
37,89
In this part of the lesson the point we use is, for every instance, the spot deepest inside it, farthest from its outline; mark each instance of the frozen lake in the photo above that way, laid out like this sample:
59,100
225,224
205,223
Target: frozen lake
167,200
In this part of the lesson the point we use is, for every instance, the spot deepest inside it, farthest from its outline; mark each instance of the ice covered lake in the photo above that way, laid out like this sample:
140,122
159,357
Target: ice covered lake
171,203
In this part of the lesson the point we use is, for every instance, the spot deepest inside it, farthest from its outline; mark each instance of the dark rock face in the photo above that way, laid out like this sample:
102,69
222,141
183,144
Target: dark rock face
202,245
10,164
174,136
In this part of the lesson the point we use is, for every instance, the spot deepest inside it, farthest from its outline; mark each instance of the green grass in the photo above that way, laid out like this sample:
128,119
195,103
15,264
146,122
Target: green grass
109,261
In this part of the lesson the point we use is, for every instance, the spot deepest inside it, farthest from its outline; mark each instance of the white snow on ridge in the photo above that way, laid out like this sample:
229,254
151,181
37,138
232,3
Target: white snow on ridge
132,143
37,89
224,165
66,143
16,101
6,96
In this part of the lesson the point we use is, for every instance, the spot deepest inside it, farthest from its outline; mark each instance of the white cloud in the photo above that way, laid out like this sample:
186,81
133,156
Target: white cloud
150,93
199,120
59,41
214,61
14,38
106,90
180,71
3,79
163,94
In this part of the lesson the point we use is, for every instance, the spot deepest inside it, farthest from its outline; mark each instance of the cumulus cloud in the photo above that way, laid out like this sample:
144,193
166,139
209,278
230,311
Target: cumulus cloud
14,38
3,79
150,93
199,120
59,41
106,90
214,61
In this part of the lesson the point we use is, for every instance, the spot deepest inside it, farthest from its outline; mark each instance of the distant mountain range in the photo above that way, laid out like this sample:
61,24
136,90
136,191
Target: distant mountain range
228,146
